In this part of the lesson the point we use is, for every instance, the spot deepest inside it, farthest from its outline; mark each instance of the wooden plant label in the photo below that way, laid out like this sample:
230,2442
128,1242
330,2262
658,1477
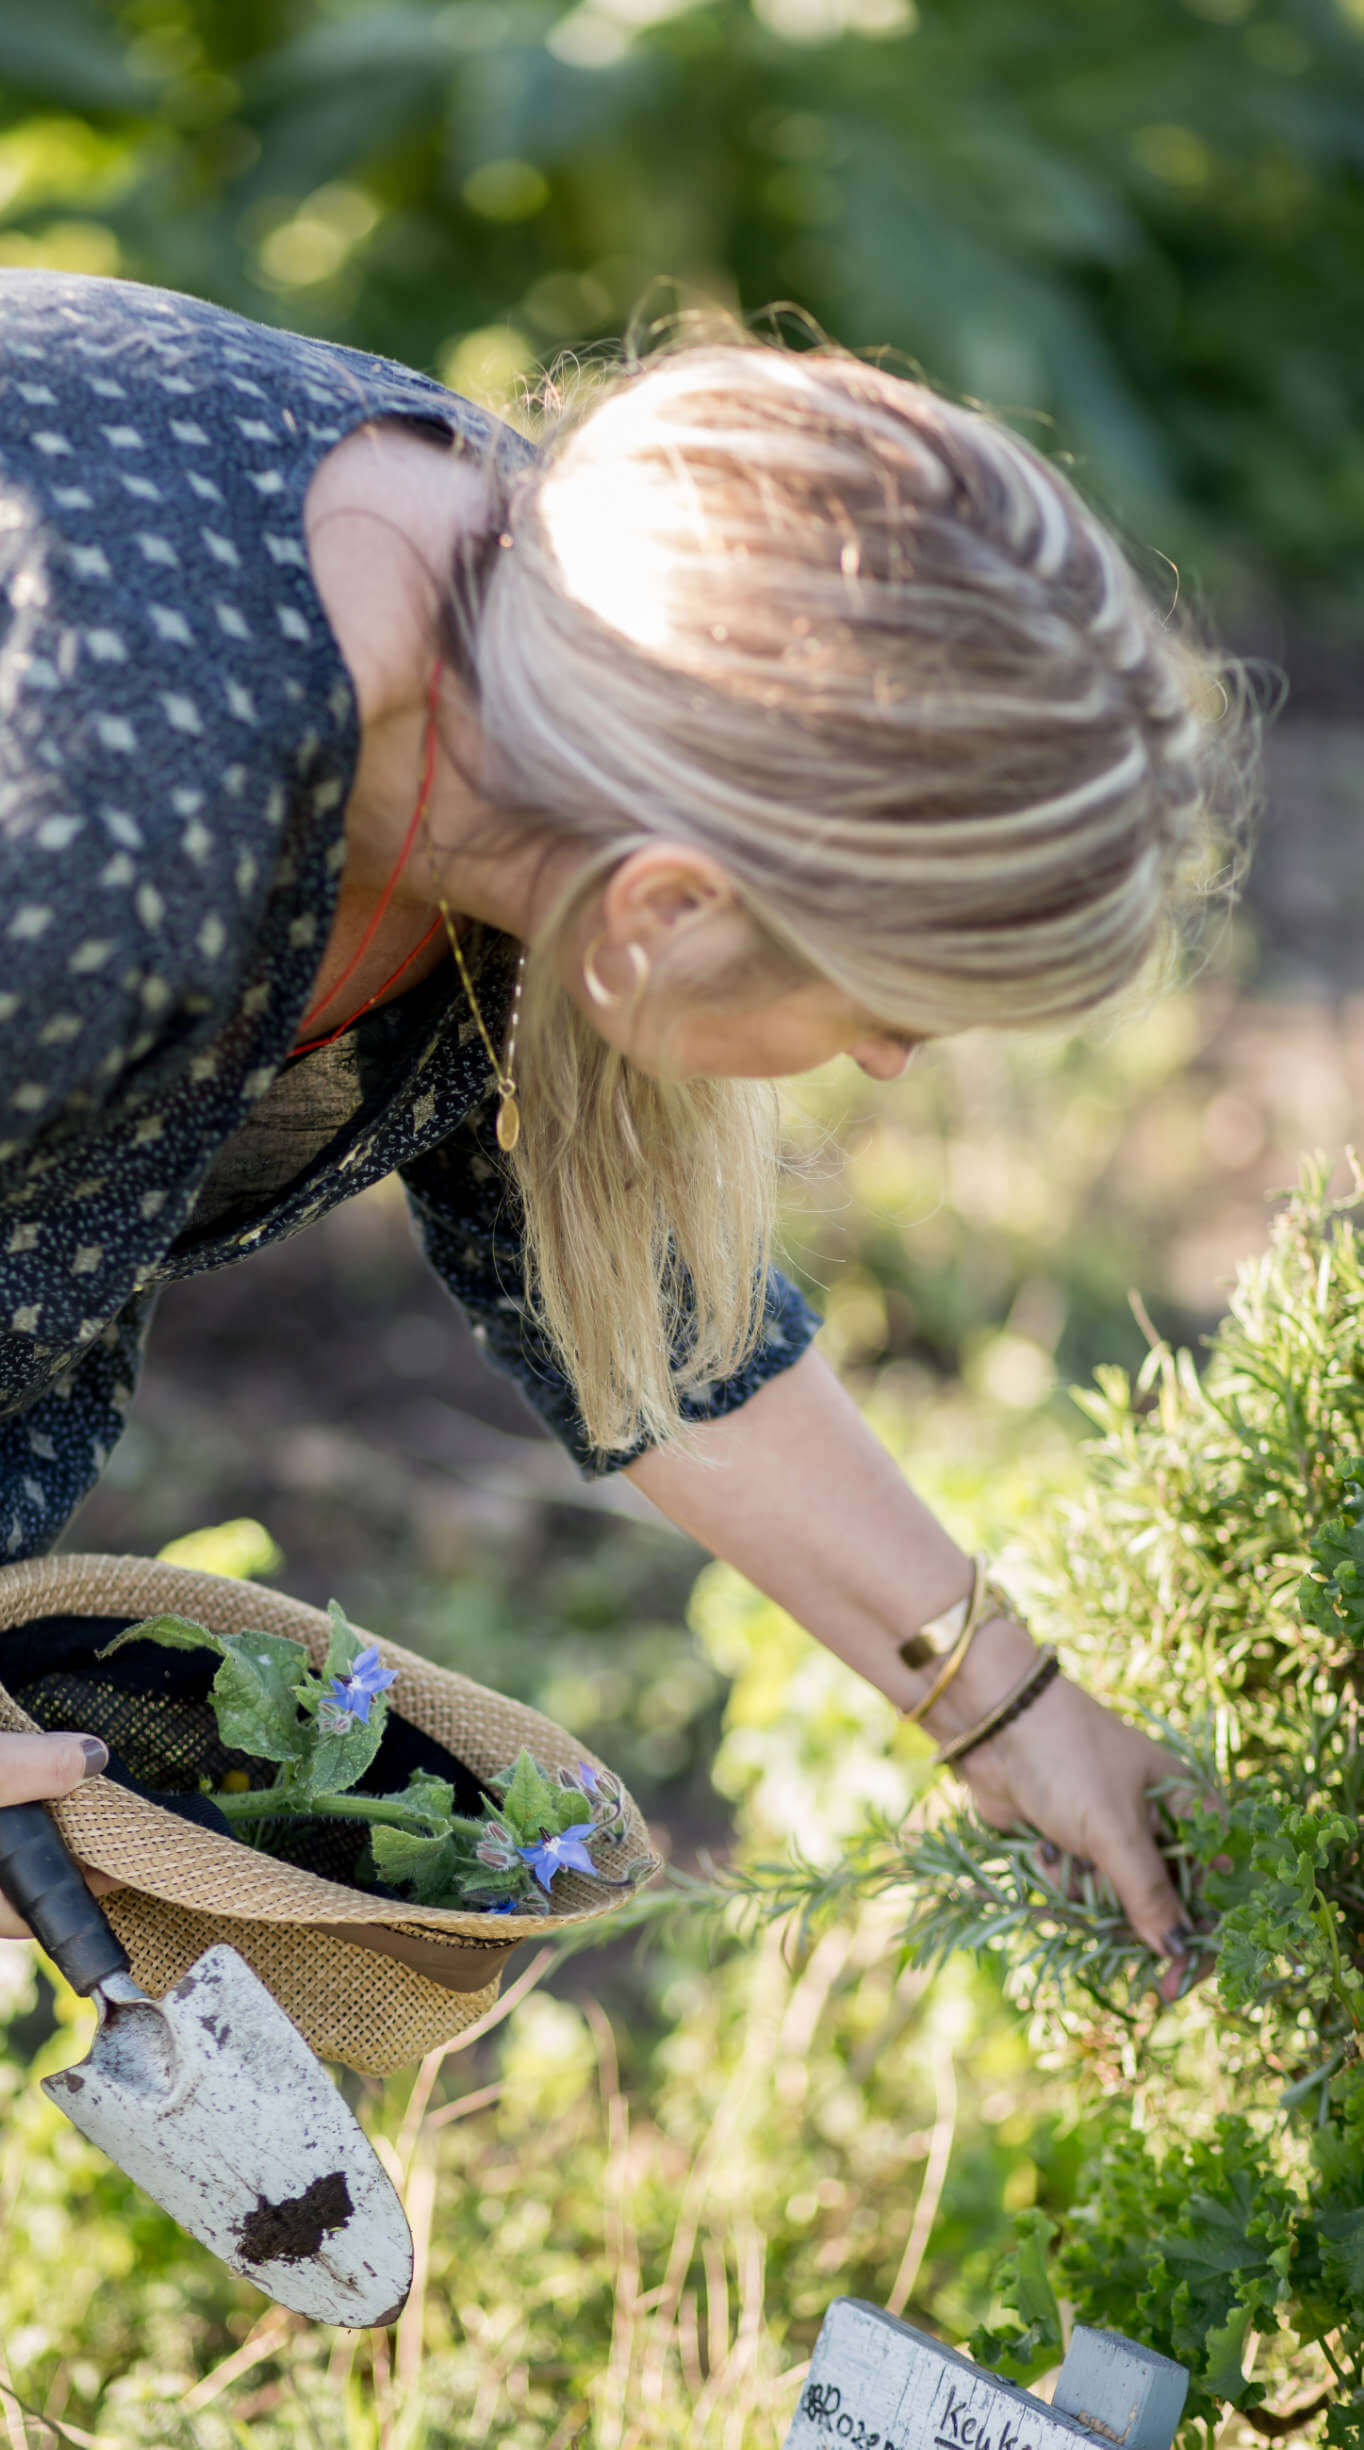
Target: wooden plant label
877,2384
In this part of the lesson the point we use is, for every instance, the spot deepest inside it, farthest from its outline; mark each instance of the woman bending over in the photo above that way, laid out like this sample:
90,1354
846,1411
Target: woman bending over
380,793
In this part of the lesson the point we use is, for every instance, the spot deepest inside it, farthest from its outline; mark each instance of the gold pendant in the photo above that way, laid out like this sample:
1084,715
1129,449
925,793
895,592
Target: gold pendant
508,1123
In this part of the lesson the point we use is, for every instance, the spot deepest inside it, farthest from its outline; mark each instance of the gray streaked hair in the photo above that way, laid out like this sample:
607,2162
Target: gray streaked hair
873,654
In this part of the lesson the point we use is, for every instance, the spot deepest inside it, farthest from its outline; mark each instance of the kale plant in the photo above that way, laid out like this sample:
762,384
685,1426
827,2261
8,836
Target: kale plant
322,1733
1209,1580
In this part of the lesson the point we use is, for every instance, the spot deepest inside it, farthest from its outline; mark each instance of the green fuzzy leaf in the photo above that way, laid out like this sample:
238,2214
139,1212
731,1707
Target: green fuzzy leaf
428,1798
345,1645
255,1696
332,1763
1213,2235
255,1691
532,1802
336,1760
425,1866
442,1870
173,1633
1028,2287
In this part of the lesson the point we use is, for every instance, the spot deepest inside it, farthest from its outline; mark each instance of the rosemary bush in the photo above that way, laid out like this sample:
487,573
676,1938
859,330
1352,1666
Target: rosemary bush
1207,1575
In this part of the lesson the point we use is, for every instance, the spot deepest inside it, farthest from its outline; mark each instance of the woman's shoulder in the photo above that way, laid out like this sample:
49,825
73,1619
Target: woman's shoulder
151,441
384,517
89,345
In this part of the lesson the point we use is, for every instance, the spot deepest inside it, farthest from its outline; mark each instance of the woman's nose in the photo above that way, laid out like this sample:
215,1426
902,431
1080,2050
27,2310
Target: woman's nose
881,1058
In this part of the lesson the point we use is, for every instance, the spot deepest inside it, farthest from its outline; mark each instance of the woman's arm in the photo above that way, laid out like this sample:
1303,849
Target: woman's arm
798,1493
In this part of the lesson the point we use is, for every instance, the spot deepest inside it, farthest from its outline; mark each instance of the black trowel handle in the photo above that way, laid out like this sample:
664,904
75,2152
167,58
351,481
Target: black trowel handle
46,1889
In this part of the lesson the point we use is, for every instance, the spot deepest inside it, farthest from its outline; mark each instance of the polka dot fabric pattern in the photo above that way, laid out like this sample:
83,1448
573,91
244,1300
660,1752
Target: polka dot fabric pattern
178,739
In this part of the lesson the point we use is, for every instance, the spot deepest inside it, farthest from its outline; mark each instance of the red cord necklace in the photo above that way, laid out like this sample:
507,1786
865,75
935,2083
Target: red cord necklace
309,1046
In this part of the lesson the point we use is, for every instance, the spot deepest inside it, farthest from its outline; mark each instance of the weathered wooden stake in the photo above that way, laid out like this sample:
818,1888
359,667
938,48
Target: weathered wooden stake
876,2384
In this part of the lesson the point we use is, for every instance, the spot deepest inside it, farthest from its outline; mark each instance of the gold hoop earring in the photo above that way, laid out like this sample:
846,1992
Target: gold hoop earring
608,999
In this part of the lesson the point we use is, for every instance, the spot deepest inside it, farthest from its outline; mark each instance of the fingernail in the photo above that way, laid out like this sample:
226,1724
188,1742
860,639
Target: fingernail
1176,1940
1048,1854
96,1755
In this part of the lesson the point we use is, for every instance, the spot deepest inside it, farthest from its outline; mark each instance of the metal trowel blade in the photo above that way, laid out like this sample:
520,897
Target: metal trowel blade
212,2101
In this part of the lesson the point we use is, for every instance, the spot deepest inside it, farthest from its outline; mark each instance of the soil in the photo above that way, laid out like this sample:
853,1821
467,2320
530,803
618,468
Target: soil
293,2231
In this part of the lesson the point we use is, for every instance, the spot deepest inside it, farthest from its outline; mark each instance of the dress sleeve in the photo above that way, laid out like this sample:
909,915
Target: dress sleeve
469,1219
52,1453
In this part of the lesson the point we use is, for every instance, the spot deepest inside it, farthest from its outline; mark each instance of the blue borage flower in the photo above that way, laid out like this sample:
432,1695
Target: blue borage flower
349,1697
563,1851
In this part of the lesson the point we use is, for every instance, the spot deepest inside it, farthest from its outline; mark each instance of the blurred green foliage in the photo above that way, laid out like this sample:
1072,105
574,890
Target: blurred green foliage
985,1220
1139,229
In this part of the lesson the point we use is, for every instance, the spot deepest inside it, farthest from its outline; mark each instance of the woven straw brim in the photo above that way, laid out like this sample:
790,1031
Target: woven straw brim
370,1982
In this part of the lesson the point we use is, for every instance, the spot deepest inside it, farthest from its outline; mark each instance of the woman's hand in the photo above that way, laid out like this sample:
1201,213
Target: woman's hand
34,1768
1084,1779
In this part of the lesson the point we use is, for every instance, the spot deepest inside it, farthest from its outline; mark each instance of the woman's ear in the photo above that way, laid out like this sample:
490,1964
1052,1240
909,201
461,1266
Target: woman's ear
660,892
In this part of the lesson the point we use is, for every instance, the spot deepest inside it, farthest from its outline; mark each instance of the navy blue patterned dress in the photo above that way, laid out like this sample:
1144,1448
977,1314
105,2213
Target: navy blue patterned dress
178,736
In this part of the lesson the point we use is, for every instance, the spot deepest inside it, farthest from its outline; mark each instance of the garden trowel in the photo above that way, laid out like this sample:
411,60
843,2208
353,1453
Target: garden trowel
211,2099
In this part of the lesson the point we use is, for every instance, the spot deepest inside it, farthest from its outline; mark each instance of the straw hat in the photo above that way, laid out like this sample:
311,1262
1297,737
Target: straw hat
368,1980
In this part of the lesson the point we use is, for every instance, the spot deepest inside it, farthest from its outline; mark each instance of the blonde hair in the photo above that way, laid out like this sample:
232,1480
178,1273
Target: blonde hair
875,656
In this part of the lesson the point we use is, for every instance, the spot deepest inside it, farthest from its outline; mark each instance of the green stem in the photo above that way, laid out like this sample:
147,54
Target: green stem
1299,2091
1326,1918
1333,2361
276,1803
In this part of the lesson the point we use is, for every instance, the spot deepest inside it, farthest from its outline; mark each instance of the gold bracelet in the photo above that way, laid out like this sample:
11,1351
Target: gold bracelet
982,1601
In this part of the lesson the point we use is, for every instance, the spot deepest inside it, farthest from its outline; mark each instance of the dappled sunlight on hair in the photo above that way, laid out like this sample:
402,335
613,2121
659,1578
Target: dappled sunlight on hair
872,654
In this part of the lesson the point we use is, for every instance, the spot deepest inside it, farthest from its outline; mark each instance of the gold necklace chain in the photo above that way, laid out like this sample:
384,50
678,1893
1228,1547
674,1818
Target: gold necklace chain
508,1112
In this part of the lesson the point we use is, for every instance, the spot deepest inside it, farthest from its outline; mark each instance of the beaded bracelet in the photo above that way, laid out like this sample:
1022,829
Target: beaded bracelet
1011,1707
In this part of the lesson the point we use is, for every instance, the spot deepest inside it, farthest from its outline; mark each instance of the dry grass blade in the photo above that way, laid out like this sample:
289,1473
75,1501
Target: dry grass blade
260,2342
465,2107
934,2180
419,2203
341,2361
746,2391
381,2365
51,2424
16,2431
511,1998
622,2244
717,2309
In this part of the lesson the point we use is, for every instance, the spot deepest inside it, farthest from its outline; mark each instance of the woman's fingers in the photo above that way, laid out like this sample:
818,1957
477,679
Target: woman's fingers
36,1768
1136,1871
1084,1779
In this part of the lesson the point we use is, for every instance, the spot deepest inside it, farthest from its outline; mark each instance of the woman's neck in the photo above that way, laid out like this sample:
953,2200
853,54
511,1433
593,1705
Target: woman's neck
385,516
